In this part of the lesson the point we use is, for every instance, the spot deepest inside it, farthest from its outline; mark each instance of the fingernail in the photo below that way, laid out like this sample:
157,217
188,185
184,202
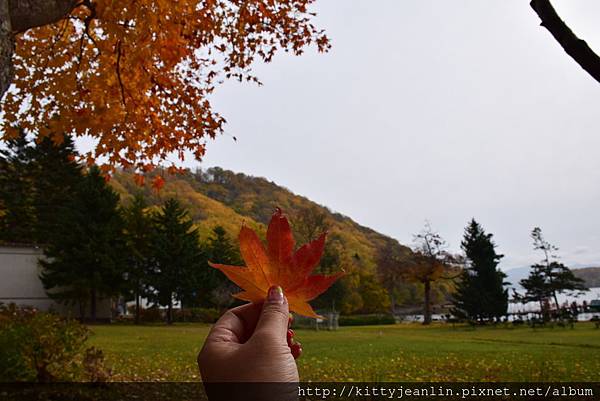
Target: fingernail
275,295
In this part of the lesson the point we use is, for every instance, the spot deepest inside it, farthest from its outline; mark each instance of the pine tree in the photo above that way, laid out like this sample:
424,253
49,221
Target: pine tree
36,180
214,288
549,277
138,234
536,289
480,293
85,250
175,256
55,174
17,213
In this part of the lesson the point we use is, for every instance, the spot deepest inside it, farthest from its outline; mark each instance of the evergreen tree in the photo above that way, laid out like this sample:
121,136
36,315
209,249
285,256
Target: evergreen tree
17,213
175,256
138,234
214,288
55,174
549,277
480,293
536,289
35,182
85,248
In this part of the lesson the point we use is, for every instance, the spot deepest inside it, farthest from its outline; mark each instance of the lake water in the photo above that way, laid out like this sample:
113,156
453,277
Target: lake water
563,299
588,296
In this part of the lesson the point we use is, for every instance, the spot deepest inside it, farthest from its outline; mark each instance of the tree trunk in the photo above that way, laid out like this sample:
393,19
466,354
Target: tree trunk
170,313
26,14
18,16
137,307
427,306
81,305
393,303
556,301
7,47
93,305
42,374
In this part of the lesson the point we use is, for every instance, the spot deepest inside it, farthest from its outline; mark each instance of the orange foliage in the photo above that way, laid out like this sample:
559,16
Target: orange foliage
136,76
158,182
279,265
425,268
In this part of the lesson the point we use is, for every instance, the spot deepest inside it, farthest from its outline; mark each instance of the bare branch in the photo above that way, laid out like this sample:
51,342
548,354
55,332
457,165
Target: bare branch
577,48
118,67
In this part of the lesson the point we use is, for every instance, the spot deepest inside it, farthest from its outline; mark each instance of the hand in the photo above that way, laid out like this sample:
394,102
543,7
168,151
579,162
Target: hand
249,344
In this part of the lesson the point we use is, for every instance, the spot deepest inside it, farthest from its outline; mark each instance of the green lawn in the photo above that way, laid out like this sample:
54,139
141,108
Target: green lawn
407,352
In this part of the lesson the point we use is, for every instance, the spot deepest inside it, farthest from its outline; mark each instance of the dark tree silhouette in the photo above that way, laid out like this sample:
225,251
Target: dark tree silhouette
480,293
549,277
138,234
577,48
86,250
214,289
175,255
17,211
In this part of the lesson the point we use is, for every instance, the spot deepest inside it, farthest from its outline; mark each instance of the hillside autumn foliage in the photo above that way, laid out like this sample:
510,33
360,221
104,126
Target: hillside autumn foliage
136,76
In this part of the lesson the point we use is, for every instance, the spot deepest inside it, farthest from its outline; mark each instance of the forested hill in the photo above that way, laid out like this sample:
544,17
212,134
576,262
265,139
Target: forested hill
221,197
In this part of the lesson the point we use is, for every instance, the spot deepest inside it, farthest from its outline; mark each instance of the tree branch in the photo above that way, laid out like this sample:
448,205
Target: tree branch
118,66
18,16
577,48
26,14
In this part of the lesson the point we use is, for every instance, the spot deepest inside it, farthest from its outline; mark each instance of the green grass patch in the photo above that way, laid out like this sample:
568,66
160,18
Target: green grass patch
404,352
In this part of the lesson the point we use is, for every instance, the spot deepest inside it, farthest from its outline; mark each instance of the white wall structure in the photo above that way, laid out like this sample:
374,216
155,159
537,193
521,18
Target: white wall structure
20,284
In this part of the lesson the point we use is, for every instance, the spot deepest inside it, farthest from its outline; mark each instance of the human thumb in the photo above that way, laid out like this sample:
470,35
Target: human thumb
273,320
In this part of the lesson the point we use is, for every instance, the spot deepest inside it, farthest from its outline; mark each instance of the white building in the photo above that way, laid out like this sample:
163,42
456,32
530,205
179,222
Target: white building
20,284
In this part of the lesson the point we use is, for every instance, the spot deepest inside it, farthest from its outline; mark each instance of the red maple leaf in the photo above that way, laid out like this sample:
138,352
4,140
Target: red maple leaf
158,182
280,265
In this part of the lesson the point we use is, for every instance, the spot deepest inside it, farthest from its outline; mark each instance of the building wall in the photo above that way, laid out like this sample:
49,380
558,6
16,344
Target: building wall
20,284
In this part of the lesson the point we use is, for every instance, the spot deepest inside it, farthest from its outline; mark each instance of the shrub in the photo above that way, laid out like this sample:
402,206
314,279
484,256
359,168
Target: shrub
200,315
366,320
151,315
44,347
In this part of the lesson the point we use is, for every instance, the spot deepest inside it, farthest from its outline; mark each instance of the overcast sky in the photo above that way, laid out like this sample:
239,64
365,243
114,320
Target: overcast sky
438,110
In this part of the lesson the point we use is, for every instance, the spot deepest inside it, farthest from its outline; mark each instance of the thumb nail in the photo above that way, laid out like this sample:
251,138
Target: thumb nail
275,295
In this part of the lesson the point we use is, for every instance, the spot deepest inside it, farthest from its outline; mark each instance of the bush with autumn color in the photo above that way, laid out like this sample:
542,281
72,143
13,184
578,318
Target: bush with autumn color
43,347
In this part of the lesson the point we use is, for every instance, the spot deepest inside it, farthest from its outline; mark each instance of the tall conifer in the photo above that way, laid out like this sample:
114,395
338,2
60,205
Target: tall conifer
175,255
17,212
85,250
480,294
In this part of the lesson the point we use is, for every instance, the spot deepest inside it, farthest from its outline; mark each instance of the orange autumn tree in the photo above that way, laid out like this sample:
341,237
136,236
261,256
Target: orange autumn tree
136,76
429,263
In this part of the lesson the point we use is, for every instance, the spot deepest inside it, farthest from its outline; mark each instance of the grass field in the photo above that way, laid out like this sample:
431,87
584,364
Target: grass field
404,352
